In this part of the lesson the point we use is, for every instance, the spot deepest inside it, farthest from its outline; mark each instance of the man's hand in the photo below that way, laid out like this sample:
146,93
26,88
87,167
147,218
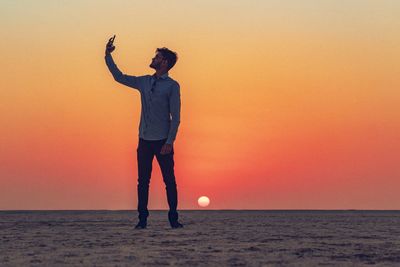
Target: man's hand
166,149
110,45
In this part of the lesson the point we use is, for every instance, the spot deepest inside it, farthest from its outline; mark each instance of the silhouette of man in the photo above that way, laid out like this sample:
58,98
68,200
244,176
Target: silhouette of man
159,121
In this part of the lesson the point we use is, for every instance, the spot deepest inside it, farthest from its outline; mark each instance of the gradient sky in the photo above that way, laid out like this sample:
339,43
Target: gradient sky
285,104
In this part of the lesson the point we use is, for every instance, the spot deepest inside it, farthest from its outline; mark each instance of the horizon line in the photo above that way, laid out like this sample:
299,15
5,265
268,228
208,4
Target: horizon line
134,210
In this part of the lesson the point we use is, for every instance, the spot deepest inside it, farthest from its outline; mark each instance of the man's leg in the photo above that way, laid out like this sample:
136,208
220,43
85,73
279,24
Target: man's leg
166,163
145,156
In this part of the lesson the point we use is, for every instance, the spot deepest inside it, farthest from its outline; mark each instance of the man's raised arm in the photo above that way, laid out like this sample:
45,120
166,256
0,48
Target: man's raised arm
128,80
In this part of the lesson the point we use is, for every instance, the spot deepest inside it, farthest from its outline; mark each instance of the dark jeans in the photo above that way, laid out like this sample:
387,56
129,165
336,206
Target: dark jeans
145,154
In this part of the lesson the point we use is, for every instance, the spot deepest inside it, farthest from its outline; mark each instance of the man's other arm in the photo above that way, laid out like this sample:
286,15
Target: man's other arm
175,109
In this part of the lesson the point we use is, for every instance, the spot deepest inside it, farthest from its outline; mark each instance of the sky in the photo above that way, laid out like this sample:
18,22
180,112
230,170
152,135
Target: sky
285,104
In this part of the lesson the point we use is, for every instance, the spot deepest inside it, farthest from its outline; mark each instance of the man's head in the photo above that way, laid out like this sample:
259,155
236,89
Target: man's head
164,59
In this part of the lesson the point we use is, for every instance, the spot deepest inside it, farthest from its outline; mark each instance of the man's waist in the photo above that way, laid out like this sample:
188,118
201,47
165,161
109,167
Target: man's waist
151,140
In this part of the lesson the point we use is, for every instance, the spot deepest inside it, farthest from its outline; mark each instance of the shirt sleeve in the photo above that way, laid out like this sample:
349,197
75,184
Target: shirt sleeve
128,80
175,110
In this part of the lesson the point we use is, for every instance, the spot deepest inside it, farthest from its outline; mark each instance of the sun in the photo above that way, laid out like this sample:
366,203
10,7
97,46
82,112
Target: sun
203,201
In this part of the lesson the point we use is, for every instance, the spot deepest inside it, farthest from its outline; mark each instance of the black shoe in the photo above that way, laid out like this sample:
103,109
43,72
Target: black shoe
176,224
141,225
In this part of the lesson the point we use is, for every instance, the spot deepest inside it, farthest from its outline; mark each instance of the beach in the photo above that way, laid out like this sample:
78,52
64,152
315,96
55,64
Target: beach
209,238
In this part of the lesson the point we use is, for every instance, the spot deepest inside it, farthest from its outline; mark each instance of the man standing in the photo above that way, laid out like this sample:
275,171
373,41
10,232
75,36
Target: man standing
159,121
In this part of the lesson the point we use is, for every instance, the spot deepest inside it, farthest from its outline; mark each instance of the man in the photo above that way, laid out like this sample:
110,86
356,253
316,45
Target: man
159,121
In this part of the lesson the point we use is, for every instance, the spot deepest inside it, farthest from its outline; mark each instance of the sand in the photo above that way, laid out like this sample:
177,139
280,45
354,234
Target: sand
209,238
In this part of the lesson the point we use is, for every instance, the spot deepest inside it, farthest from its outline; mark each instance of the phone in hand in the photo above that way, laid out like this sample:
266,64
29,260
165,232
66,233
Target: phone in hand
110,45
112,39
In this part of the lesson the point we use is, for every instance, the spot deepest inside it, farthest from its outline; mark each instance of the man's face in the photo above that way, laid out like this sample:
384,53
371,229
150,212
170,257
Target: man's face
157,61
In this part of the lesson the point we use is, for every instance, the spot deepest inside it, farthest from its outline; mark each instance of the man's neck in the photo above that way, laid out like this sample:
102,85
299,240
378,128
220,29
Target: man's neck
159,73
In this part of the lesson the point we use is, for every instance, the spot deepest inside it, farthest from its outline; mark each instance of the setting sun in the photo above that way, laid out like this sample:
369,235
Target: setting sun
203,201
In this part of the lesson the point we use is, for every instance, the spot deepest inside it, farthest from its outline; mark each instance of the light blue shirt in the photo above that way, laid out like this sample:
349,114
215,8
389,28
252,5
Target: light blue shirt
161,102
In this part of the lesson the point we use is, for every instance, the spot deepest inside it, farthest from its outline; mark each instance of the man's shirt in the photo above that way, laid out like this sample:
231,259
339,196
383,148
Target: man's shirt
161,102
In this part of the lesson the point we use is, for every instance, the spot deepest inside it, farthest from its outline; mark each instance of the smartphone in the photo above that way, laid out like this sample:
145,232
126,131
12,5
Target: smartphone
112,39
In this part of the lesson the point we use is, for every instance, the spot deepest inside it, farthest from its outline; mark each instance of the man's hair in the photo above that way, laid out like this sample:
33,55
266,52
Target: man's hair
169,55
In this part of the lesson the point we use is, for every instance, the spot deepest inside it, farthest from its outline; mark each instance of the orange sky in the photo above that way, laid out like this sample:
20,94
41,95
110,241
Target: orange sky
284,105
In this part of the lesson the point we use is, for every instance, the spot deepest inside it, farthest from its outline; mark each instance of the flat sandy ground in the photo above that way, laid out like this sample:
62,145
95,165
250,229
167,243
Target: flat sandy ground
209,238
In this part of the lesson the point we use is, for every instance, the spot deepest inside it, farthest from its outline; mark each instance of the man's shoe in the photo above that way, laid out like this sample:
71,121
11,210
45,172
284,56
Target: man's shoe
176,225
141,225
